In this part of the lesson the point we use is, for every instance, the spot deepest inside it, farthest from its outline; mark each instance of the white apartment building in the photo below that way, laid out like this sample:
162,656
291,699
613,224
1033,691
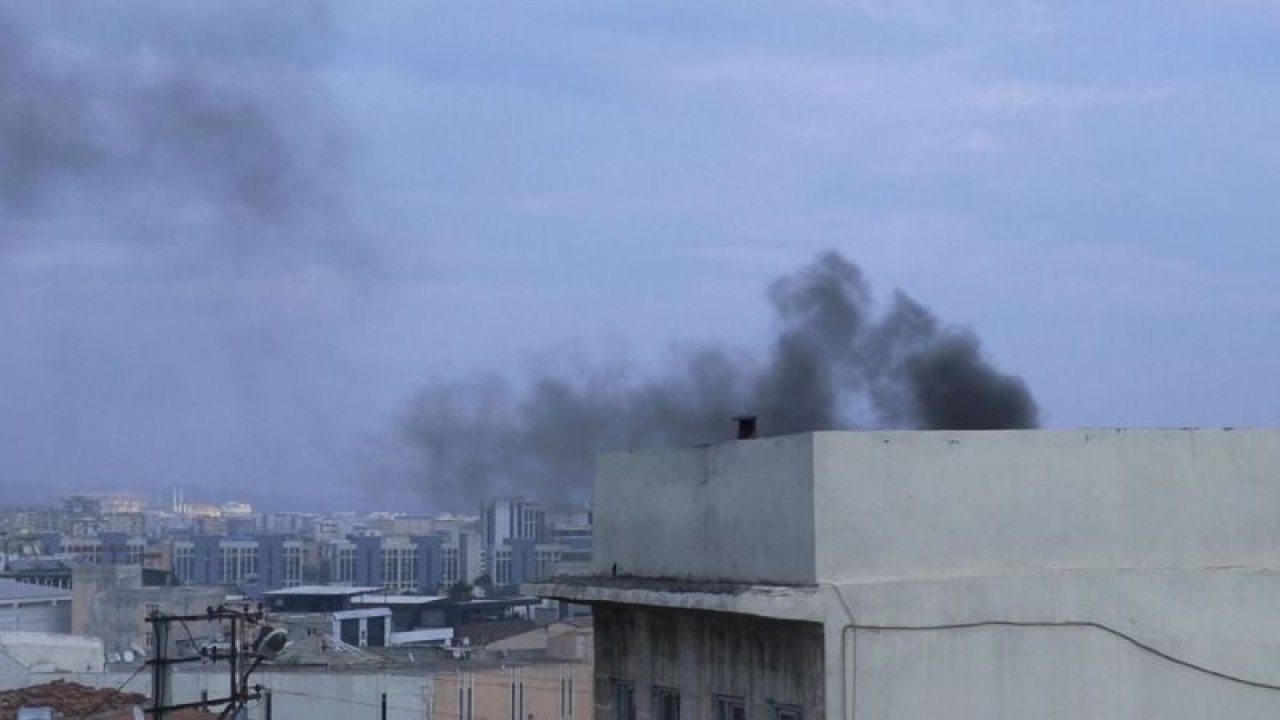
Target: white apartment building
1103,574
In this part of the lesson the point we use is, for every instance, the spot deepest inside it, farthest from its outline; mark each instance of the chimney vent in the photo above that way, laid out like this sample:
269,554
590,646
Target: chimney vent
746,426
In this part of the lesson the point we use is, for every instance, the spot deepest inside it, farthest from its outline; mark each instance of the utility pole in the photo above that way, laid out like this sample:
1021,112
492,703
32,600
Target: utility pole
162,665
161,668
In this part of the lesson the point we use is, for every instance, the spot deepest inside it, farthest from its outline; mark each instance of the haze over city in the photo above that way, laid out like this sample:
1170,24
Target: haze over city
272,252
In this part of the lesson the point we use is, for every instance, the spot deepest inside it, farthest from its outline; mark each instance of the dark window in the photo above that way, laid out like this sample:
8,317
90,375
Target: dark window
624,700
377,631
666,704
349,631
730,708
788,712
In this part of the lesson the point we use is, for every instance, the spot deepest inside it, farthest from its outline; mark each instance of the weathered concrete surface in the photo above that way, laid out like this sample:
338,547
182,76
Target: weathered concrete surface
110,602
296,695
930,504
841,506
1062,574
701,655
26,653
741,511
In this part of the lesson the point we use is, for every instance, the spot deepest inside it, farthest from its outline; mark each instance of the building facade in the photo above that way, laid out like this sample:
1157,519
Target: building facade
909,575
34,608
253,564
425,564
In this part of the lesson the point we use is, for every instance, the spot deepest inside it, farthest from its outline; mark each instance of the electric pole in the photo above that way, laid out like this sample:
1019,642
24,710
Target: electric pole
162,665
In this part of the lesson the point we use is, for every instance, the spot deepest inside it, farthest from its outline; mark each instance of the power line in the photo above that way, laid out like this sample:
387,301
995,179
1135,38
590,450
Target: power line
113,693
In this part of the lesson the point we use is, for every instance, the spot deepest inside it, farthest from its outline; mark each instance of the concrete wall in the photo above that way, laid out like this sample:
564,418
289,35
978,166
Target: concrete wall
739,511
296,695
842,506
52,616
35,653
323,695
922,504
546,691
109,602
1044,673
702,655
1063,644
1002,575
93,610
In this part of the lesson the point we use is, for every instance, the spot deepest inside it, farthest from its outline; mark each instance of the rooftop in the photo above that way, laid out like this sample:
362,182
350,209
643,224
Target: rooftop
325,590
407,600
15,591
73,700
839,507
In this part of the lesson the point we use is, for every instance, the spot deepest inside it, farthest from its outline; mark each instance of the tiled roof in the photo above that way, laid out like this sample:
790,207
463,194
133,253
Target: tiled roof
73,700
67,699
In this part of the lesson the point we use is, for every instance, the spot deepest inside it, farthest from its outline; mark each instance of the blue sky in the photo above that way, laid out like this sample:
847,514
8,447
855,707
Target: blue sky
1091,187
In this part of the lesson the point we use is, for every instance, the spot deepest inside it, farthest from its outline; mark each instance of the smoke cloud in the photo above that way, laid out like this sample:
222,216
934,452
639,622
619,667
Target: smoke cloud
175,244
835,363
230,145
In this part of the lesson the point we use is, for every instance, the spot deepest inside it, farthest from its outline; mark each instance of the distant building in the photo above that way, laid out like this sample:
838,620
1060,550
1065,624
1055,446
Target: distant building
252,564
106,548
329,609
47,571
525,541
911,575
111,602
512,518
423,564
34,608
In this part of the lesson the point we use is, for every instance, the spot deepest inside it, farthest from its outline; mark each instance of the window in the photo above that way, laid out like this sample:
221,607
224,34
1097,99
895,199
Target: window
624,700
729,708
666,704
788,712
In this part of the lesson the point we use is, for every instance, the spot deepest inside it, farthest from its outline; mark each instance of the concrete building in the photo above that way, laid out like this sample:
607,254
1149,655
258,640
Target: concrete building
422,564
250,563
907,575
106,548
41,570
34,608
571,528
542,691
512,518
110,602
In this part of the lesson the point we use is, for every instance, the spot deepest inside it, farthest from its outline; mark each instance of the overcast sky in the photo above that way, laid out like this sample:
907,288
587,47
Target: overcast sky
236,240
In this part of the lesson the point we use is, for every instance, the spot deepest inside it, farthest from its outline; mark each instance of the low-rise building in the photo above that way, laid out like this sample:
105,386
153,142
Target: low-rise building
34,607
112,603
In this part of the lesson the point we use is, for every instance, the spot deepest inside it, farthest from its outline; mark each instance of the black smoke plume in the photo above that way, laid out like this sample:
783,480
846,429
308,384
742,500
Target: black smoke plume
834,364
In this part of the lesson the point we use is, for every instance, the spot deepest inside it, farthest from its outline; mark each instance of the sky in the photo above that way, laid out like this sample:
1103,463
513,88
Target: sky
237,241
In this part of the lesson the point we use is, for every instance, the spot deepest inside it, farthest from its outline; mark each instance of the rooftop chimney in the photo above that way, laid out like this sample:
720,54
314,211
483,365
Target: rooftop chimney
746,426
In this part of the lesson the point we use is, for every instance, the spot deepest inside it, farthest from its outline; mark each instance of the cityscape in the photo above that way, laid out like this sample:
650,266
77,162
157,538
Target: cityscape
862,360
510,541
358,591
